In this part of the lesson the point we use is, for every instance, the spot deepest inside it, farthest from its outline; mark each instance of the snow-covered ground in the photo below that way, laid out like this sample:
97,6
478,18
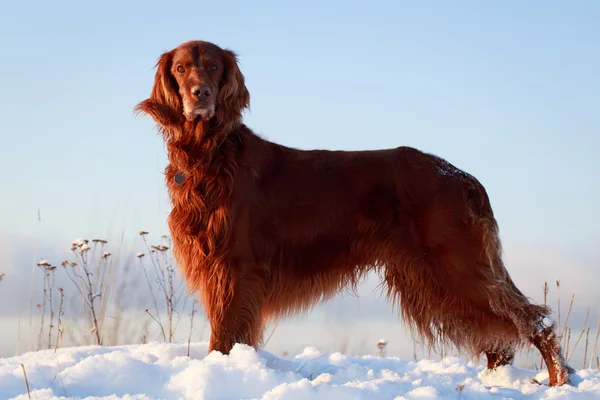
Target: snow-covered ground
164,371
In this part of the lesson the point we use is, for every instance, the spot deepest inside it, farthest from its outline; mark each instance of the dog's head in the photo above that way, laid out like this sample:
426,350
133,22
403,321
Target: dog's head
197,81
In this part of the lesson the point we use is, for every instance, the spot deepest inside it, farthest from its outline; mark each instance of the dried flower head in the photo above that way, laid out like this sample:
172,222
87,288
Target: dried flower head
80,242
140,255
43,263
99,241
105,255
143,233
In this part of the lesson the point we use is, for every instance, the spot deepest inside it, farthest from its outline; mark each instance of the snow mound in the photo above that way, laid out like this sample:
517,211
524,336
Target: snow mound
164,371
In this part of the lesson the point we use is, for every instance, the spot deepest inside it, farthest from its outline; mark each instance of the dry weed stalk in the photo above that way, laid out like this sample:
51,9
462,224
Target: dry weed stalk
26,380
587,335
144,336
60,327
91,280
164,270
545,303
381,344
579,337
558,301
191,326
568,341
595,342
568,314
47,303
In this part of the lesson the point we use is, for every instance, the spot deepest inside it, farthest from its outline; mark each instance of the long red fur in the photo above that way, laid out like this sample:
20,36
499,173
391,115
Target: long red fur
262,231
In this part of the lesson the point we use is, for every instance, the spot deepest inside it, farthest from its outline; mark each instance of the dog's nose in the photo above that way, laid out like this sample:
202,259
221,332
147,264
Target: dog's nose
201,92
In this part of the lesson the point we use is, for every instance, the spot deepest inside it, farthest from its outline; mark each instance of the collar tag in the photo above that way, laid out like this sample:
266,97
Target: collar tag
179,178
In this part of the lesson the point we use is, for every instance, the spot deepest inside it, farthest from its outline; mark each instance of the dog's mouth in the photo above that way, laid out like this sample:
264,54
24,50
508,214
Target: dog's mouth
204,113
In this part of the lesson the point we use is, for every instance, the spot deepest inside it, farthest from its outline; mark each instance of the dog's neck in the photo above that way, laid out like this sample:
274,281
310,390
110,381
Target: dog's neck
196,144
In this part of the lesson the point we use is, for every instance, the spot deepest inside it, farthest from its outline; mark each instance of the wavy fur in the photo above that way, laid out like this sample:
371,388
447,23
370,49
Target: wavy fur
263,231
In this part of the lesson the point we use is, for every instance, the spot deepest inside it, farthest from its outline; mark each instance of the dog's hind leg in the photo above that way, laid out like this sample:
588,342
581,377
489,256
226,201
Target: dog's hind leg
498,358
471,295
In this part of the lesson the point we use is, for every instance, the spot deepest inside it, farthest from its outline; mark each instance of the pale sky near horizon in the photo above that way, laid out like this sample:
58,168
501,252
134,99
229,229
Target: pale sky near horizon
508,91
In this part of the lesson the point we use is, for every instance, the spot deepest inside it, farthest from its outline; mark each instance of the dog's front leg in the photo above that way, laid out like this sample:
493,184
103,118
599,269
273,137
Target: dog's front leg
241,318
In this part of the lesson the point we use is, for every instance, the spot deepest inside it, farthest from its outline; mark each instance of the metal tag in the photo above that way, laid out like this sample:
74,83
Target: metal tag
179,178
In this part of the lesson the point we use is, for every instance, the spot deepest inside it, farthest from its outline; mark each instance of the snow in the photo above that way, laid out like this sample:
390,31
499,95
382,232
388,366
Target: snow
164,371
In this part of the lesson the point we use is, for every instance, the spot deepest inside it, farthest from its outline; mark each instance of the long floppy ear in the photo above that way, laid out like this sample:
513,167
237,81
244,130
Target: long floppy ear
164,105
233,95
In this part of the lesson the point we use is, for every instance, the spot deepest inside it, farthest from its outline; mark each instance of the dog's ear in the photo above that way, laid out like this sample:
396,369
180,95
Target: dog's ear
164,104
233,95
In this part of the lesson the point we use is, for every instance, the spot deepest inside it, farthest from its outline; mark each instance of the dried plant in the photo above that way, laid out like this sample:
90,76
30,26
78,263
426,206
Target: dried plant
569,355
164,276
545,289
381,345
191,326
89,273
558,301
47,304
60,327
595,342
26,380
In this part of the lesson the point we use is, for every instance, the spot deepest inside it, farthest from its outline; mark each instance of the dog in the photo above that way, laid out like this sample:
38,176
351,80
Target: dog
262,231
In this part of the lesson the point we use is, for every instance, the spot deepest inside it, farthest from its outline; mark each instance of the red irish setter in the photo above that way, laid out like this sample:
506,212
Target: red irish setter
262,231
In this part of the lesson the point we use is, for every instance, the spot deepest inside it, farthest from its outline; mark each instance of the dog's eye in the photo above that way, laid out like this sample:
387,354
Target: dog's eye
213,67
180,69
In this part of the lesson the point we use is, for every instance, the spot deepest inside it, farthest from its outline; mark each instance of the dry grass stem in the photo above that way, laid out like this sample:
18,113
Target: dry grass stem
595,342
579,337
26,380
558,307
545,289
568,341
587,335
165,272
568,314
191,326
59,327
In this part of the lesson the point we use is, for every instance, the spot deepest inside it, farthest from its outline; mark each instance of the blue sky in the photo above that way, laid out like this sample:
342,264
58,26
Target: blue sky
508,91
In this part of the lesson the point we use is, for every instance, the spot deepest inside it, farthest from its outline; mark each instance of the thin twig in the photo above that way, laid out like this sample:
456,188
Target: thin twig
545,298
587,334
26,380
191,327
558,308
568,313
568,341
578,338
155,320
50,295
595,342
113,284
153,300
42,308
269,337
59,326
